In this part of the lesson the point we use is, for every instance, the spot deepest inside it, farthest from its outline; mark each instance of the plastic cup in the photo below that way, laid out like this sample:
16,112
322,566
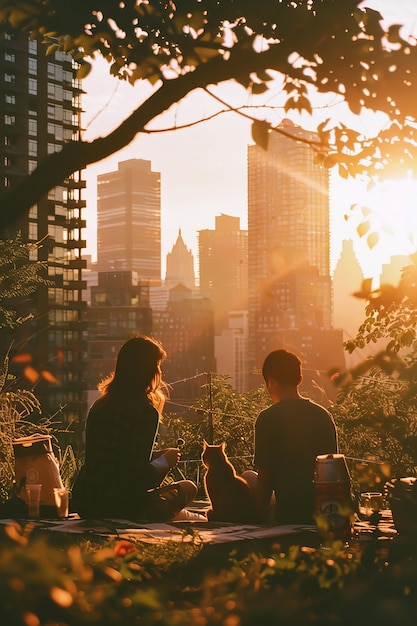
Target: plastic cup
371,502
33,496
61,495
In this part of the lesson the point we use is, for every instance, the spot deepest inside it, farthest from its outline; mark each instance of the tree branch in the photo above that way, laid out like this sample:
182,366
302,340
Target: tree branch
76,155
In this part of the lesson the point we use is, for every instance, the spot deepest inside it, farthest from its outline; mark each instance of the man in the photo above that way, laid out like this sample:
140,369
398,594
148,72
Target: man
288,437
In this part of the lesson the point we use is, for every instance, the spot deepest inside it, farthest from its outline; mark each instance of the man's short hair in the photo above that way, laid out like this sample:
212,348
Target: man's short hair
282,366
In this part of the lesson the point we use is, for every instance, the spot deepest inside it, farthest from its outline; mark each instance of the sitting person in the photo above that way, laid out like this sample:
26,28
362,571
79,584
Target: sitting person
119,478
289,435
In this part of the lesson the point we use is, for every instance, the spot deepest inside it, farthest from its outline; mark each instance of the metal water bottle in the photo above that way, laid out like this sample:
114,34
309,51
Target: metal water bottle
334,510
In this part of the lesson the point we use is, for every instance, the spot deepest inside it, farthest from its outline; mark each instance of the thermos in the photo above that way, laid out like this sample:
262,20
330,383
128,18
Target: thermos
334,510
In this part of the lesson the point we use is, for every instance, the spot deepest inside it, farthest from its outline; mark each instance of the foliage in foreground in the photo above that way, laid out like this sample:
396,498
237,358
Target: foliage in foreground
120,582
376,419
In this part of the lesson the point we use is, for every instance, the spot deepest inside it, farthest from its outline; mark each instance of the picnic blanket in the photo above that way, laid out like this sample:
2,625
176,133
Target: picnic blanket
193,530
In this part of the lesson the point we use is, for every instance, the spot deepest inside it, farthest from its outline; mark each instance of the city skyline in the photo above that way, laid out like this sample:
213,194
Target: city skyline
203,168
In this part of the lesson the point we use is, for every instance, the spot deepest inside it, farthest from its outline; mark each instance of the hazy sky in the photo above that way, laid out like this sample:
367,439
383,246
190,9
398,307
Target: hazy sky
203,168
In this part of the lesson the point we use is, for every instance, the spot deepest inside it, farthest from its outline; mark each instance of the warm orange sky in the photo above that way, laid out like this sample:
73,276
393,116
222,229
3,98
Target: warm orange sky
203,169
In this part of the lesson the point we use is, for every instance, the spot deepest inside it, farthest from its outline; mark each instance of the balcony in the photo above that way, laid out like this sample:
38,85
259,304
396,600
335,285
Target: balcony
76,243
77,184
76,222
77,264
76,204
76,285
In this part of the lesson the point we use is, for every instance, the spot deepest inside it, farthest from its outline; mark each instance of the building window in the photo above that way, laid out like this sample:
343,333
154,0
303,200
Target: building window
55,72
33,66
33,231
33,86
67,116
33,46
53,147
8,56
56,130
55,112
9,78
33,147
61,56
32,165
7,141
9,120
10,98
33,127
6,161
55,92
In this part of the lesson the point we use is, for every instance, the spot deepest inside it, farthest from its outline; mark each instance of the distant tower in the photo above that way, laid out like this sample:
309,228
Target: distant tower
180,265
223,261
290,287
349,311
129,220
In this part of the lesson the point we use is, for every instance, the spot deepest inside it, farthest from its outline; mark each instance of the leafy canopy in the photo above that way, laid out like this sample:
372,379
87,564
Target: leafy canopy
316,46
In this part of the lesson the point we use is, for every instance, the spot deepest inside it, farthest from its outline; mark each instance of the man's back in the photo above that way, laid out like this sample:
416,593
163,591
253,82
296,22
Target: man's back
288,437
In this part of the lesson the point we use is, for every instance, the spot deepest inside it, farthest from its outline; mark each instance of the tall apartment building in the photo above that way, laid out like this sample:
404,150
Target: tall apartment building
223,264
40,105
290,287
129,220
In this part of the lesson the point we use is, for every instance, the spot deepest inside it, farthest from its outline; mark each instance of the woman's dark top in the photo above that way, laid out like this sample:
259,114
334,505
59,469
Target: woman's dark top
117,471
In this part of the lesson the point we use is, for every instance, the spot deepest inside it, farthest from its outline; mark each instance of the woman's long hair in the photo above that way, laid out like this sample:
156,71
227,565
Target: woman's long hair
137,372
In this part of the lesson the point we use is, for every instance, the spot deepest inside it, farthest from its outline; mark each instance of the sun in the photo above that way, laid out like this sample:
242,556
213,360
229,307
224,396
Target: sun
392,215
382,222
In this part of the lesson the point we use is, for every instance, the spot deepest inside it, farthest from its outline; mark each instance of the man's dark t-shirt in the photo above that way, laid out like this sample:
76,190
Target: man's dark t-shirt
288,437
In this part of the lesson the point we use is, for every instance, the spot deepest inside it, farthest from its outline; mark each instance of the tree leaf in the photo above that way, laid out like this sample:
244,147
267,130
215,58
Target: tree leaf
84,70
260,133
363,228
372,240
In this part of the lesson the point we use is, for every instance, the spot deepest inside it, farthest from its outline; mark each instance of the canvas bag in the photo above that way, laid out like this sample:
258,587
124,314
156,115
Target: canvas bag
35,462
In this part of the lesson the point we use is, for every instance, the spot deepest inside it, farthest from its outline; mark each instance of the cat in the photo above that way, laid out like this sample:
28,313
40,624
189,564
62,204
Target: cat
231,498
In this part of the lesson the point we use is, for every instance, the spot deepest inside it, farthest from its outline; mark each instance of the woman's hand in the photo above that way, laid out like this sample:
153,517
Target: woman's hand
172,455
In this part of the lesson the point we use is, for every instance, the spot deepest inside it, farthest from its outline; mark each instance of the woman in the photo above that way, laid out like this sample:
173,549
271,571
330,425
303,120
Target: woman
119,479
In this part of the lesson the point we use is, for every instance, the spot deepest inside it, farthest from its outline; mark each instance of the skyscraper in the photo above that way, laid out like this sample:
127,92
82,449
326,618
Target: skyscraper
129,220
40,104
290,288
223,262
